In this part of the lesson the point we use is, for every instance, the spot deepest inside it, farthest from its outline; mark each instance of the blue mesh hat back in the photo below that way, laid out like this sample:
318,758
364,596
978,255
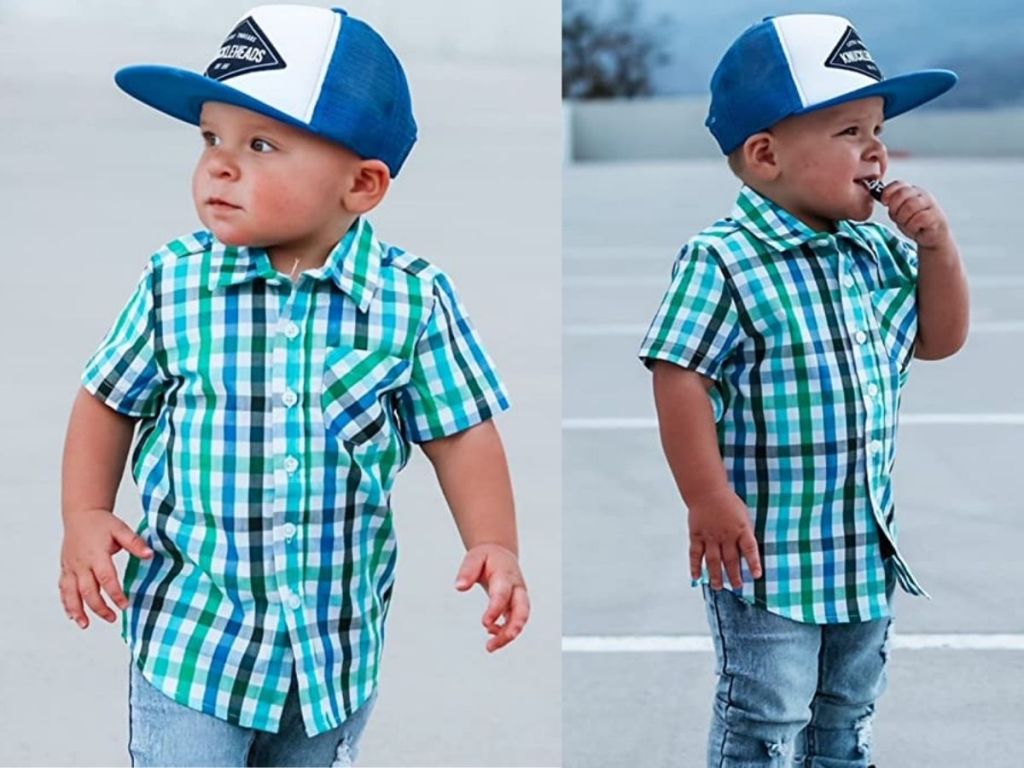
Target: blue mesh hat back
364,102
751,88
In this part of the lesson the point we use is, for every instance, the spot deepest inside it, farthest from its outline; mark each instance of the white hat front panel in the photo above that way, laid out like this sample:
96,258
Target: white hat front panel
826,57
300,39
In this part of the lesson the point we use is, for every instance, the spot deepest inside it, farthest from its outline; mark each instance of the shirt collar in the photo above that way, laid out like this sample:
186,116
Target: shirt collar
354,264
780,229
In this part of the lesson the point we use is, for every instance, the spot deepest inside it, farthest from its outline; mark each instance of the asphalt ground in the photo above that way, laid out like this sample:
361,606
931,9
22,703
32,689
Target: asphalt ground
958,485
91,182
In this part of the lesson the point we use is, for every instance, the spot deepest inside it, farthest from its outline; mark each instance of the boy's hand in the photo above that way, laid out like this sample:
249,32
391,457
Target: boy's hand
916,214
720,533
496,569
91,538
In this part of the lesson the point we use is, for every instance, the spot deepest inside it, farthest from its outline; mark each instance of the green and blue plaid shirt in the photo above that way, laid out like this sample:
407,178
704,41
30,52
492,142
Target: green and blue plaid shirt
273,421
808,337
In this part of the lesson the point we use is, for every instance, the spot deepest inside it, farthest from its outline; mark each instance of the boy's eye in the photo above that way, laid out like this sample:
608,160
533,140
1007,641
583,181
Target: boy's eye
210,139
851,131
261,145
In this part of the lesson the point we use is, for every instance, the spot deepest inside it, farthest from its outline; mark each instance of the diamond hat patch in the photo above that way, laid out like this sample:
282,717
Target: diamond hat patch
246,49
851,54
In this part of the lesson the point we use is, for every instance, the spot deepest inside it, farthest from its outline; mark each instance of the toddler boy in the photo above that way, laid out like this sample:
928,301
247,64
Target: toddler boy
779,354
279,363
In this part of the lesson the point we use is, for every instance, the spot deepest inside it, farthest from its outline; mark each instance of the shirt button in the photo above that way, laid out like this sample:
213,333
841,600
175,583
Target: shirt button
872,389
291,464
861,337
874,446
289,531
848,281
289,398
295,601
291,330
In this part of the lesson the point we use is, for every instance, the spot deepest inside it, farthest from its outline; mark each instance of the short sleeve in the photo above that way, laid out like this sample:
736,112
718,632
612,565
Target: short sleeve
453,385
697,325
897,257
123,371
894,294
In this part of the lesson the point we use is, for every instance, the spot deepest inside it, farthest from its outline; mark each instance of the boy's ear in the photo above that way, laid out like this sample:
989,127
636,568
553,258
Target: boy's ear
759,157
370,183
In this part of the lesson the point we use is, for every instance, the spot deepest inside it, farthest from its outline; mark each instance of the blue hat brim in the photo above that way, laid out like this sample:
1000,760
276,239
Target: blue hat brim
181,93
901,93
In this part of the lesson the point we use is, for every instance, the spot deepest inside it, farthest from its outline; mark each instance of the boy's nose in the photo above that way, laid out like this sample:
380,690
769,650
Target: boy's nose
876,151
222,166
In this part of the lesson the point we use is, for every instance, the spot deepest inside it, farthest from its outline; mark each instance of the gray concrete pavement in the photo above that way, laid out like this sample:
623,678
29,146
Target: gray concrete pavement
958,486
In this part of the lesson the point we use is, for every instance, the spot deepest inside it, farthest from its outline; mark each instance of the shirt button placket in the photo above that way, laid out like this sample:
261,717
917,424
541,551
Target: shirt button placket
291,594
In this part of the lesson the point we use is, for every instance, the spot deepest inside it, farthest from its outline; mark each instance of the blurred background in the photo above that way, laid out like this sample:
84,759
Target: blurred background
642,175
659,55
92,182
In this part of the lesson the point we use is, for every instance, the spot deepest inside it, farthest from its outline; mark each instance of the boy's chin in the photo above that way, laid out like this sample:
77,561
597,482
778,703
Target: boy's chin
231,236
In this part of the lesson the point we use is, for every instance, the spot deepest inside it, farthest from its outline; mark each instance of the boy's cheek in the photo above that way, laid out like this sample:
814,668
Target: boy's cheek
277,198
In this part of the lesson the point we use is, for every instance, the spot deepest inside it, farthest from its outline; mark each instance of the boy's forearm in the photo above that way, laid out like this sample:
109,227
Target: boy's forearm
95,450
473,474
943,302
688,435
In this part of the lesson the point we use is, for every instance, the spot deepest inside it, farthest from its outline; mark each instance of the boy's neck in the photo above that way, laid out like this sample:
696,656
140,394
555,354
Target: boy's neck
779,198
295,257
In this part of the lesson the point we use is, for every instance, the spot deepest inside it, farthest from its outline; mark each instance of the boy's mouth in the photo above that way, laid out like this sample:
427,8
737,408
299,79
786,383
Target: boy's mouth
216,202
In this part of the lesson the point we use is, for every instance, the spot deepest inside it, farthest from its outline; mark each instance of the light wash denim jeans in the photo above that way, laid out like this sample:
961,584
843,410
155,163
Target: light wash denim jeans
793,695
165,733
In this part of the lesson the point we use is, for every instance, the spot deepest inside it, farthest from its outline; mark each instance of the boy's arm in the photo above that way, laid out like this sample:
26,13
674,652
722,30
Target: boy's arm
719,521
97,444
943,300
95,450
473,474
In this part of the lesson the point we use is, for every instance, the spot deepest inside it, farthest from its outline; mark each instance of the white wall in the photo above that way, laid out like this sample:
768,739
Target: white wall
659,129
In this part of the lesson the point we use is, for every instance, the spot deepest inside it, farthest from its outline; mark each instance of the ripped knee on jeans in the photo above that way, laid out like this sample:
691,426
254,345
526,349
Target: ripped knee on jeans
776,748
864,733
754,748
343,755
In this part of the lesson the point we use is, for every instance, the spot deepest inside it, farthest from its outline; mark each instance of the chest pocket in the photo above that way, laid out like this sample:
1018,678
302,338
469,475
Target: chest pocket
895,309
357,394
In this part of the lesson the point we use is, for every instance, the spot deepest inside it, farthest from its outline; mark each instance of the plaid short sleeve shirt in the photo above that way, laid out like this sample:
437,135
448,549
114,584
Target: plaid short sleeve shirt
273,420
808,337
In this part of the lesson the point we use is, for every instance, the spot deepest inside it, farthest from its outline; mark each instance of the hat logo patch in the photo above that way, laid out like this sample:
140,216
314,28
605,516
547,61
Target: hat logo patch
246,49
850,54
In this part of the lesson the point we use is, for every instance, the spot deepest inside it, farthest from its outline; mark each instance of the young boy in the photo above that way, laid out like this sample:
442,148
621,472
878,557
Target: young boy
778,356
279,363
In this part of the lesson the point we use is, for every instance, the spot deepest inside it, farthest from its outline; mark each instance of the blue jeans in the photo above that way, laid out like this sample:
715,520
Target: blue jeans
793,695
163,732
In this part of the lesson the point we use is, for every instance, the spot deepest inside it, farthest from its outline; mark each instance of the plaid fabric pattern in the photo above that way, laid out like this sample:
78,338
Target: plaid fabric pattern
808,337
273,421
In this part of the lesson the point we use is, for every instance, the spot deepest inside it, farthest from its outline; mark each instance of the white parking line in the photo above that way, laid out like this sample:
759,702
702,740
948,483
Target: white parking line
619,281
906,420
637,330
702,643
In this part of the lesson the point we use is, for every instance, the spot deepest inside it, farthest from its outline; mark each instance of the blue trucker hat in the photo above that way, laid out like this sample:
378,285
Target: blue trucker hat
789,65
317,69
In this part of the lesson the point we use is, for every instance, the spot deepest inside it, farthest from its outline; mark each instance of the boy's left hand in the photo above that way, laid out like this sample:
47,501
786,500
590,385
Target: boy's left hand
917,214
496,569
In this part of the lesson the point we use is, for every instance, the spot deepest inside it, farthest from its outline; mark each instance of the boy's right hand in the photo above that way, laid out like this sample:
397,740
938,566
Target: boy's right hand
721,533
91,538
